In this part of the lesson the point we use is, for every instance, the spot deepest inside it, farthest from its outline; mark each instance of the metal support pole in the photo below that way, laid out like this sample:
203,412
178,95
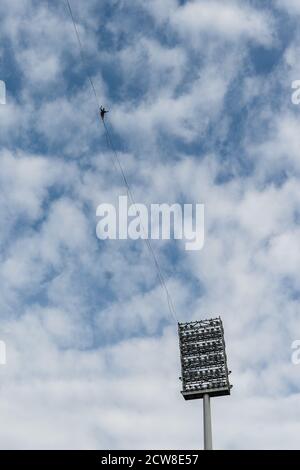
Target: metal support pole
207,423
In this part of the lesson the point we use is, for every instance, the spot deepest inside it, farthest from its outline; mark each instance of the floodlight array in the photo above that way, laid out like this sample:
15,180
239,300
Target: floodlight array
203,358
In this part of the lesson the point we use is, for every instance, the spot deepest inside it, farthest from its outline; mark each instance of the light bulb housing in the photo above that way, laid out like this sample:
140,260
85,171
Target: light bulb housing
203,359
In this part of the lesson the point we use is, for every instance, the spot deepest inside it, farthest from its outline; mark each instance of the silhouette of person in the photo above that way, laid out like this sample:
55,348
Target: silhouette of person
102,112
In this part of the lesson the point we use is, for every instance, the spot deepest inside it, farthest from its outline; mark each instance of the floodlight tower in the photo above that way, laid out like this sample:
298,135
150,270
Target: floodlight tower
204,371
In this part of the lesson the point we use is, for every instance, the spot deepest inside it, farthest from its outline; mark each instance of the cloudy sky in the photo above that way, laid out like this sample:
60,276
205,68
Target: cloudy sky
199,94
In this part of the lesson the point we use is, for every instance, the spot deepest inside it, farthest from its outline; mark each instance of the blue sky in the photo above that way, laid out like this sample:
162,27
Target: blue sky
199,94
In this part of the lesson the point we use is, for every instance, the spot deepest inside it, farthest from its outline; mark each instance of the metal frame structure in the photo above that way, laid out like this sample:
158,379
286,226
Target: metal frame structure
204,371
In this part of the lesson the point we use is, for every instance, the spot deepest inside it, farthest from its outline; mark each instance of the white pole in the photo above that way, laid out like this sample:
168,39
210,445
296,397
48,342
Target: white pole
207,423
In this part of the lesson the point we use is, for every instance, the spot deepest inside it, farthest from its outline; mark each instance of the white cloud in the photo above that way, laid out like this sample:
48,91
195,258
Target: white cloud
292,6
25,181
229,19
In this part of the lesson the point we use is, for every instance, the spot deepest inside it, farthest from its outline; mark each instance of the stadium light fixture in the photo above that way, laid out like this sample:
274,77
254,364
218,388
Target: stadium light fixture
204,371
